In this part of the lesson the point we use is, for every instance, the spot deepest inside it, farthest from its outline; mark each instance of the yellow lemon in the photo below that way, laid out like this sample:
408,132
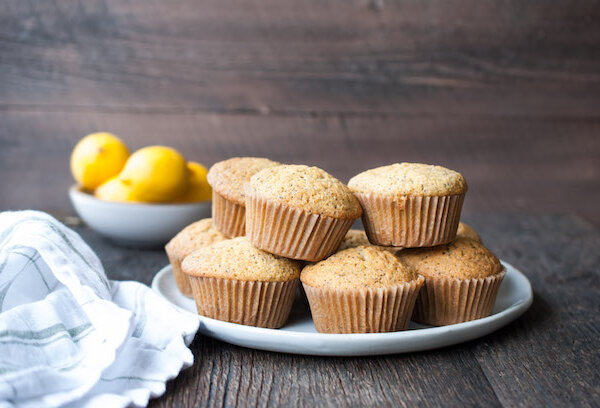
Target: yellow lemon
198,188
115,190
97,158
156,174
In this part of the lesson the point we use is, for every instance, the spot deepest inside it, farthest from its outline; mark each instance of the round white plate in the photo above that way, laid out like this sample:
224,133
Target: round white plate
299,336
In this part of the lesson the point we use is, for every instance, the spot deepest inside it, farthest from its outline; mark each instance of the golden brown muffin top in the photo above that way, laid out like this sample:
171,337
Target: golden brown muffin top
409,179
465,231
307,188
363,267
356,237
195,236
228,177
238,259
461,259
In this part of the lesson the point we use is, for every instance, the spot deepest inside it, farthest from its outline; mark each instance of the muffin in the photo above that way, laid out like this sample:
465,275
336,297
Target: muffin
195,236
410,204
361,290
465,231
238,283
227,179
298,211
461,281
356,237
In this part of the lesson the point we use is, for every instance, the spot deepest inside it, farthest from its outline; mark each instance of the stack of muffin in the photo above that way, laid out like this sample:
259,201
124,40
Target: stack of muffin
276,225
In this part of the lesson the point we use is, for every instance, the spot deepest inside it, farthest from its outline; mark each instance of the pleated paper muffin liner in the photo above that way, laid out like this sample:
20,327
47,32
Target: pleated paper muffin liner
252,303
448,301
410,221
363,310
181,279
228,216
290,232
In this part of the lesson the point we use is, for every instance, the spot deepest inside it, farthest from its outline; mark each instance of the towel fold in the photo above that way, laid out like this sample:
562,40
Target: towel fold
71,337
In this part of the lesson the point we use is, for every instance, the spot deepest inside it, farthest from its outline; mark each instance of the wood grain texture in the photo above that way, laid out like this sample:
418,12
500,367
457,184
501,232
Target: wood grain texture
534,165
511,58
548,357
506,92
554,349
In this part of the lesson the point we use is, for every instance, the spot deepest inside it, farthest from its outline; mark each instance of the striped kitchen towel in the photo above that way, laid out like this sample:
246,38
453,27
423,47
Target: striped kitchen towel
71,337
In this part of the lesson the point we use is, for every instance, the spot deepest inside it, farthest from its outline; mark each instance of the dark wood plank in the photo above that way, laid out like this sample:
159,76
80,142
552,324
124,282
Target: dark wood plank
547,357
519,165
241,377
511,58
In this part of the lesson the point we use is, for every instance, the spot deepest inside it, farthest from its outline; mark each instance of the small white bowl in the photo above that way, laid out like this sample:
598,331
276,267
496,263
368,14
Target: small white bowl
138,225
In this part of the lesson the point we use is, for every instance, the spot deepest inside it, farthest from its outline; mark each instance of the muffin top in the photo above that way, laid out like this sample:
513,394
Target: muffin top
238,259
356,237
364,267
462,259
228,177
195,236
467,232
307,188
409,179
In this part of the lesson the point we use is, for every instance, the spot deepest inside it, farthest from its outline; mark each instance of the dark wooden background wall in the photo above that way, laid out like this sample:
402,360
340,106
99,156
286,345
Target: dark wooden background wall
507,92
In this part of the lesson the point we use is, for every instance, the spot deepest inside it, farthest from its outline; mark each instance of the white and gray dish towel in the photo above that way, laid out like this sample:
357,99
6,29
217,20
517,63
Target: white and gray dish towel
71,337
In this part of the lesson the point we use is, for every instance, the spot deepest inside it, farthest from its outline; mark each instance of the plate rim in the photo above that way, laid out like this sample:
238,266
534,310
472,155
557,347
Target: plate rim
477,328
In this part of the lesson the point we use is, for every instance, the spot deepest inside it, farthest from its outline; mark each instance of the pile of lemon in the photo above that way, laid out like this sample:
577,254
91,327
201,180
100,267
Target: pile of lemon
101,164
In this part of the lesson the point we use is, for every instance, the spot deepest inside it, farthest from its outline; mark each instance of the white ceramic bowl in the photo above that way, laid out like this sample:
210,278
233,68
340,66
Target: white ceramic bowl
136,224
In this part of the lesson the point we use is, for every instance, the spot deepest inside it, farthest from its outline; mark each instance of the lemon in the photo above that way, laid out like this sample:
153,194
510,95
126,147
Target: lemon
97,158
115,190
155,174
198,188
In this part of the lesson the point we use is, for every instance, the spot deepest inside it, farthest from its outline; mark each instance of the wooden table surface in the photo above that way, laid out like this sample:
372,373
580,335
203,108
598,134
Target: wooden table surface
506,92
548,357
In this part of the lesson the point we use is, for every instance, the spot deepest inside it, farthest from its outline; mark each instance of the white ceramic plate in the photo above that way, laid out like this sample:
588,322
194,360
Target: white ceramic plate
299,336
